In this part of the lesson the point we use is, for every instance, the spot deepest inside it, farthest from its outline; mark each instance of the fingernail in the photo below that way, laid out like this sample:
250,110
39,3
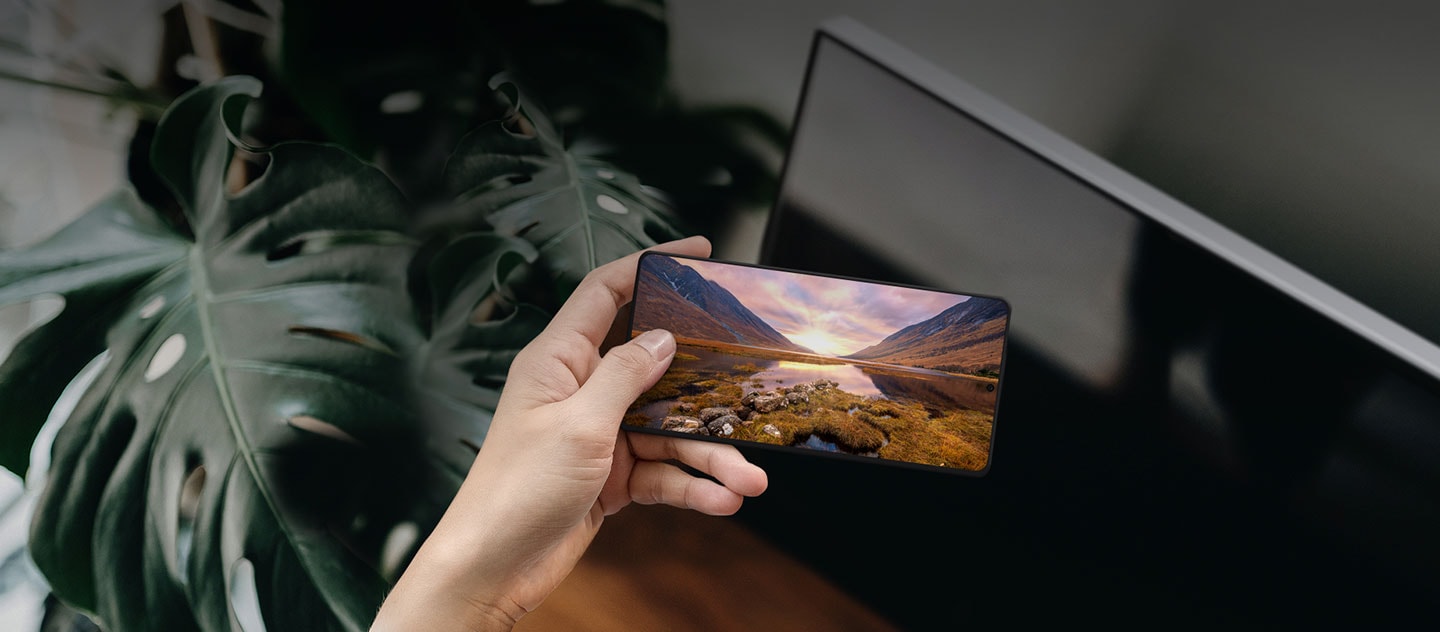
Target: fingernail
658,342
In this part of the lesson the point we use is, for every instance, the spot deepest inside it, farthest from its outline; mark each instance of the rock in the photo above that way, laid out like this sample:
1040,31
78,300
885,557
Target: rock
678,423
710,414
722,426
796,398
748,415
748,400
771,430
686,407
804,387
769,402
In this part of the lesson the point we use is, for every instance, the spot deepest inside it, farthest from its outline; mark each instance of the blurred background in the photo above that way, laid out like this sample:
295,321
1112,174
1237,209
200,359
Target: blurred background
1309,127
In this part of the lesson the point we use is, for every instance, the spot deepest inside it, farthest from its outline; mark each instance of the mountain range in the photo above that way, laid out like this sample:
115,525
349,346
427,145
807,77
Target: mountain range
677,298
966,338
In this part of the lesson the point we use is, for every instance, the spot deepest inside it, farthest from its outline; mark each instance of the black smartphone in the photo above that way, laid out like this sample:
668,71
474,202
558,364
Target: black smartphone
821,364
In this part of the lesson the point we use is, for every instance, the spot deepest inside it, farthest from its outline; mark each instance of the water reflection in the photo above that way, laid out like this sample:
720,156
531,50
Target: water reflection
787,373
903,384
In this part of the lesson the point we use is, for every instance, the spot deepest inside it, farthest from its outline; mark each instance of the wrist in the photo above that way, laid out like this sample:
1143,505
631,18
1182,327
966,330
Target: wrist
425,600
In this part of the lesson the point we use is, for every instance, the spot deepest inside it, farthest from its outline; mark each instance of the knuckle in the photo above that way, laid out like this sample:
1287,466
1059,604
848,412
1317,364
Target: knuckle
632,360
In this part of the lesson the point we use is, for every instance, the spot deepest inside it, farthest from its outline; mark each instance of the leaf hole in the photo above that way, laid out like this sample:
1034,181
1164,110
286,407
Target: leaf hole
244,597
403,102
60,413
491,308
321,427
475,447
341,336
611,204
245,171
396,550
27,316
152,307
518,124
286,250
526,228
166,357
188,510
719,177
519,178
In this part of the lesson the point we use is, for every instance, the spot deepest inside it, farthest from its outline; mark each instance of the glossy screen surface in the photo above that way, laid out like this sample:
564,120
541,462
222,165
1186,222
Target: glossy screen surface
1183,440
822,364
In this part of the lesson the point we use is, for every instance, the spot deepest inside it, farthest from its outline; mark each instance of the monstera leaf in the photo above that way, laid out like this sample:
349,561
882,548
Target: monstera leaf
227,464
479,326
516,177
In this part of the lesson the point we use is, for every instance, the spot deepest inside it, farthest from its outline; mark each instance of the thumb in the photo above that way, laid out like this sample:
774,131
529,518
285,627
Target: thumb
625,372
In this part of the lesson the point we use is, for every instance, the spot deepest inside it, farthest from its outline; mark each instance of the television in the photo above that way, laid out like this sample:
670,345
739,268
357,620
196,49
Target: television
1194,430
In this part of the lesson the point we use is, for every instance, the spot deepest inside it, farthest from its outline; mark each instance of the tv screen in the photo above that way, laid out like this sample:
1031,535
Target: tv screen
1195,429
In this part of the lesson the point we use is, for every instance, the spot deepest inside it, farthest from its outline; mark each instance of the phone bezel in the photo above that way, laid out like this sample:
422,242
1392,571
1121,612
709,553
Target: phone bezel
854,458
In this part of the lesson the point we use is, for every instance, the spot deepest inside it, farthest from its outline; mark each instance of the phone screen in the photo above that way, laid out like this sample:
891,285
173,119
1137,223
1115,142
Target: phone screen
821,364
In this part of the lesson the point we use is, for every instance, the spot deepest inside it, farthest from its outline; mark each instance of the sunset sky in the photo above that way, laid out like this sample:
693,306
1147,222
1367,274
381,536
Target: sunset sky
830,316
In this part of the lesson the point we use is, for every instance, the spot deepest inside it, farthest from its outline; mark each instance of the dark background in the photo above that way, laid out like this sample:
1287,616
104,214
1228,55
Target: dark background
1253,463
1306,126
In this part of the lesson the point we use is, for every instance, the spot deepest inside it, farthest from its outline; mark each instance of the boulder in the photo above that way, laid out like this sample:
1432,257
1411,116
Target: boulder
769,402
679,423
771,430
710,414
748,400
722,427
686,407
796,397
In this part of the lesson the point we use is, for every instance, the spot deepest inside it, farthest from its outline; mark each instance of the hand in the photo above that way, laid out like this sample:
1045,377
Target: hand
555,463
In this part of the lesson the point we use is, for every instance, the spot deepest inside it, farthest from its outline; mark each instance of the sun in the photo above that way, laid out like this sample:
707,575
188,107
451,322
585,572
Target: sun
818,341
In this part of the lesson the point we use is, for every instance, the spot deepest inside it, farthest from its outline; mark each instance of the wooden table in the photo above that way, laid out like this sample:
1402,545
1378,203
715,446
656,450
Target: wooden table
659,568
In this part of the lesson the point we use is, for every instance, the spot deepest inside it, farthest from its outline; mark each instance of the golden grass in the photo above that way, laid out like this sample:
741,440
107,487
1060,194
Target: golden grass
902,431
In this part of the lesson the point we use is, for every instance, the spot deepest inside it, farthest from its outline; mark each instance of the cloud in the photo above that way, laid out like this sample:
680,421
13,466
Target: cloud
840,315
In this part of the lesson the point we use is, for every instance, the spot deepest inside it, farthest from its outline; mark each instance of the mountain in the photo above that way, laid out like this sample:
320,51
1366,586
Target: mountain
679,299
965,338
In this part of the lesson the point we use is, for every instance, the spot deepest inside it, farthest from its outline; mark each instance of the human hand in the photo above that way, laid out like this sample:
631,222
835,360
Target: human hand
555,463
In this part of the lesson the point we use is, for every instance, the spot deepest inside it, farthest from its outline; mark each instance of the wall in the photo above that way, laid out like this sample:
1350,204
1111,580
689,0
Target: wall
1309,127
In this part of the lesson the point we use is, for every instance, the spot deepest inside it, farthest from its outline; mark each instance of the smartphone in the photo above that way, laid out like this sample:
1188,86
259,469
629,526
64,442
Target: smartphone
820,364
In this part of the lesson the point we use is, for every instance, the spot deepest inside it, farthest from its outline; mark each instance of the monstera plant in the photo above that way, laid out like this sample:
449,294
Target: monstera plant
283,362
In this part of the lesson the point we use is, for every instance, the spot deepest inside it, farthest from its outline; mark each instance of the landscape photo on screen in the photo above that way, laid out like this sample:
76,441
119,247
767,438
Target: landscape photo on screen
822,363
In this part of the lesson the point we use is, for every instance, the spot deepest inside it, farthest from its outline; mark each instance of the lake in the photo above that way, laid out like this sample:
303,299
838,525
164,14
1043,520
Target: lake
934,388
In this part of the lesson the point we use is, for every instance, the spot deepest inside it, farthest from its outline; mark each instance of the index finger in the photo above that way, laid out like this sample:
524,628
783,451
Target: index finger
592,307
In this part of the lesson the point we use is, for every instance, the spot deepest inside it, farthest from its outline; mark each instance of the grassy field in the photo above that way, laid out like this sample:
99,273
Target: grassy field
904,431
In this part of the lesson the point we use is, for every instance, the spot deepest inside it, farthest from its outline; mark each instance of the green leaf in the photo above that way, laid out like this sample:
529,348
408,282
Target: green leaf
479,327
242,438
516,178
101,256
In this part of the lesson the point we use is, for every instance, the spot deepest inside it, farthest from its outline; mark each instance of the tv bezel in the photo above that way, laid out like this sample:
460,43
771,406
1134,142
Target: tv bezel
1127,191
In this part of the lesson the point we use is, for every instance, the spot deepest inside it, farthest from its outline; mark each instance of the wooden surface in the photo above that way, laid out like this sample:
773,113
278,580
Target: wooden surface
659,568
